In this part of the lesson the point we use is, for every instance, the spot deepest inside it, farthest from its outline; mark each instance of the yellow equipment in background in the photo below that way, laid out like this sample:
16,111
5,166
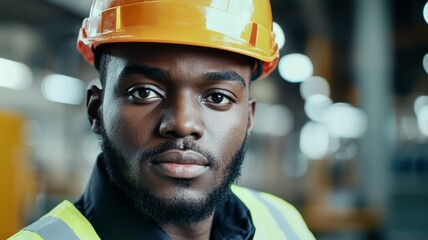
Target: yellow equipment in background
17,179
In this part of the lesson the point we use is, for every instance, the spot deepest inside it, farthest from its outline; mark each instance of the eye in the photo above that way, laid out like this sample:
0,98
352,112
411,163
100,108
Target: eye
218,99
144,93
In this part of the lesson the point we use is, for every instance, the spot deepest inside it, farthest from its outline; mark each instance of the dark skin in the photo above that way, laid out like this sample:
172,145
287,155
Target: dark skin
155,93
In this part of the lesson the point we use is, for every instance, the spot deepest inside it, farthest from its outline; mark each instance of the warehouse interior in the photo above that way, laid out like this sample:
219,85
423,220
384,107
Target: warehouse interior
344,139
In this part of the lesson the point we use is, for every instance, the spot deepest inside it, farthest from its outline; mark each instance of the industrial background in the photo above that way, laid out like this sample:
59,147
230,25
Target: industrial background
341,127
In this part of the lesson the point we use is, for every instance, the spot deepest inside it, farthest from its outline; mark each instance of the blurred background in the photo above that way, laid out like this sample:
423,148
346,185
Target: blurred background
341,126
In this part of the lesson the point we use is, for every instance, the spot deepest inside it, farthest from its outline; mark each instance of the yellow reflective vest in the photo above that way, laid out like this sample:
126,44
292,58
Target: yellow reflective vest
273,218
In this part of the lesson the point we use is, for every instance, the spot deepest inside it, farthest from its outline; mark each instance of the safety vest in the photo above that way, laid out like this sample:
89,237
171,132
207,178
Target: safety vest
273,218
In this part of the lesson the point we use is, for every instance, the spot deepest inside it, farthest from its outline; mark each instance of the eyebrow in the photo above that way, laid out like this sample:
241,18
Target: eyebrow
159,73
228,76
150,72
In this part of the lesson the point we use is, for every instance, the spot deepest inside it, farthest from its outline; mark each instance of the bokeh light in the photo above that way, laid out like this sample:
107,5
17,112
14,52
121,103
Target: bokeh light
314,140
314,85
345,121
295,67
425,13
15,75
423,120
420,106
425,62
420,102
316,106
63,89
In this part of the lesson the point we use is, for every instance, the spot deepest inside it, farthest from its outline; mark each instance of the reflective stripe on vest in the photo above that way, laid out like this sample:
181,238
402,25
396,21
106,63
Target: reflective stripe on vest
64,222
51,227
273,218
280,219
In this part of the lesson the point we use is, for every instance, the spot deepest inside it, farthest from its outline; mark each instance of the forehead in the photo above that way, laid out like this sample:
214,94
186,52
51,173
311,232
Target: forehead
172,57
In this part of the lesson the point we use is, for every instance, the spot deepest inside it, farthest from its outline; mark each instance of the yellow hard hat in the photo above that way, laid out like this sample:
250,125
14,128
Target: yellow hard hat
241,26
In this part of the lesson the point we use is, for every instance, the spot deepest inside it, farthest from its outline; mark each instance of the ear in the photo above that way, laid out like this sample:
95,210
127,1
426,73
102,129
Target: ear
94,108
251,114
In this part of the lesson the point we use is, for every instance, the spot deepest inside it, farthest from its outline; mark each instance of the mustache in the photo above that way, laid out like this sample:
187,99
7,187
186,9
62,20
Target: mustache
179,144
174,144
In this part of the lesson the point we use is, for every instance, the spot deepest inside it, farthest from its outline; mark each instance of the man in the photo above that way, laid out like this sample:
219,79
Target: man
173,117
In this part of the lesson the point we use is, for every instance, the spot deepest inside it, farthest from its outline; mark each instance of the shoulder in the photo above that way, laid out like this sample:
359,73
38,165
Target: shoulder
271,213
64,220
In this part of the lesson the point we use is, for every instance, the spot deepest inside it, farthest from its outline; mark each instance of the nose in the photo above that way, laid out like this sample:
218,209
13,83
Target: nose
181,118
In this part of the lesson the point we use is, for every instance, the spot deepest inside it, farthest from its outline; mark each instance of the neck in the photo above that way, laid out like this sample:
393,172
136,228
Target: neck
196,231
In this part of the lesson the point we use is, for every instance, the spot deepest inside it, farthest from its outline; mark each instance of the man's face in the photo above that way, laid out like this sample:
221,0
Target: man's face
173,121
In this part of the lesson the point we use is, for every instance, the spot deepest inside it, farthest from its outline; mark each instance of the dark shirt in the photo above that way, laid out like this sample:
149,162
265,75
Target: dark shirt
113,216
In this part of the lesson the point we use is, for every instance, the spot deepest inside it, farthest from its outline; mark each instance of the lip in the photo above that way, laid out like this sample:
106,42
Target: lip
180,164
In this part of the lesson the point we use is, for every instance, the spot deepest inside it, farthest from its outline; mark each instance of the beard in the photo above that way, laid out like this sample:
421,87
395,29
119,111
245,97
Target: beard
173,210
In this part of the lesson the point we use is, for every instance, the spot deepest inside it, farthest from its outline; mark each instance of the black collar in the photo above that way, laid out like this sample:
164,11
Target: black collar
113,216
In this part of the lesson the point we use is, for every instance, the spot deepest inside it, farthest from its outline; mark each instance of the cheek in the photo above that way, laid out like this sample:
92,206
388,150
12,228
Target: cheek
114,124
125,127
226,133
111,117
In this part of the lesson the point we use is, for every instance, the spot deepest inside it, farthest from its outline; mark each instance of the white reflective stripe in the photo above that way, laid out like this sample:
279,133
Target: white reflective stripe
279,218
52,228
